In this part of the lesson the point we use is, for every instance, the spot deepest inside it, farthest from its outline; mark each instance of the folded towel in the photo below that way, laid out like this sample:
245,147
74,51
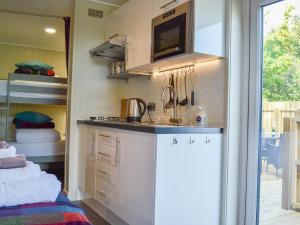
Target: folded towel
37,135
10,152
31,170
20,124
44,188
4,145
13,162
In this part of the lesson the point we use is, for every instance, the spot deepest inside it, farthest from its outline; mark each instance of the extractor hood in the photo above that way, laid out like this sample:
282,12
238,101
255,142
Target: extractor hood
113,49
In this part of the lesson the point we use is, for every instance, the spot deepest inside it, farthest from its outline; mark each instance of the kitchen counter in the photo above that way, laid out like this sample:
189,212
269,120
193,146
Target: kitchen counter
154,128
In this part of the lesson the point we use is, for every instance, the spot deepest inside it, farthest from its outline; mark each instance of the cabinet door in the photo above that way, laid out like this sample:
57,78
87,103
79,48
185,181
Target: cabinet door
137,160
87,160
188,180
116,23
138,33
162,6
134,20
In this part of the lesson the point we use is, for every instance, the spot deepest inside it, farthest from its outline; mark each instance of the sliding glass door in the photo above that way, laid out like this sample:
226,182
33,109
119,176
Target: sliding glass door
278,186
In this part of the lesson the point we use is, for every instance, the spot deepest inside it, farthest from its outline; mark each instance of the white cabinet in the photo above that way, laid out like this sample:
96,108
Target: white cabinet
137,172
87,151
134,20
161,6
188,179
125,174
156,179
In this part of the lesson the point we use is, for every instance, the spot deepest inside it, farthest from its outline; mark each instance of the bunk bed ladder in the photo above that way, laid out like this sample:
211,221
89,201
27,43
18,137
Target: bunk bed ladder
7,110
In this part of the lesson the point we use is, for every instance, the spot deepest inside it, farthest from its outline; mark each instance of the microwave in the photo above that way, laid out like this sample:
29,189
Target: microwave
172,32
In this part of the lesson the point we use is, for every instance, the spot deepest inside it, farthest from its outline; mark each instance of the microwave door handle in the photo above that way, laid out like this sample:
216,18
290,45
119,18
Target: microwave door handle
167,4
169,50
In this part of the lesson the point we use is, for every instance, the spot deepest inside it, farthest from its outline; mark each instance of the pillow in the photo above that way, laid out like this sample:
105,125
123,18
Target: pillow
33,117
34,65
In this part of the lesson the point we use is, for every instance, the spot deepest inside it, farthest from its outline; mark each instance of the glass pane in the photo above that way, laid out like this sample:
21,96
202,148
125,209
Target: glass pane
279,154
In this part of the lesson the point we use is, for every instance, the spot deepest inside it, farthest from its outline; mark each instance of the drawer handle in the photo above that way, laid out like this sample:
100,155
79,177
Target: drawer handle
104,154
104,173
167,4
103,194
104,136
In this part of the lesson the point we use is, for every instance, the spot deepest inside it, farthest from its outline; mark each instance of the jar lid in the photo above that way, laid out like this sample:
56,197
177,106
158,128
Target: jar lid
201,108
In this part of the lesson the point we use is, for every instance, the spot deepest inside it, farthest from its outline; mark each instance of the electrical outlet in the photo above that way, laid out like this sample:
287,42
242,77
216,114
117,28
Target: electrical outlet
151,106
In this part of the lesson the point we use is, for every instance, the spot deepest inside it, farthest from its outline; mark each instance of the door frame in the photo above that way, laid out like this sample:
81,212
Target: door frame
251,109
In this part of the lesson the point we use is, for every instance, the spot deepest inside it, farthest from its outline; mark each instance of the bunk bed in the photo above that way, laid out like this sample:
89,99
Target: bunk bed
33,89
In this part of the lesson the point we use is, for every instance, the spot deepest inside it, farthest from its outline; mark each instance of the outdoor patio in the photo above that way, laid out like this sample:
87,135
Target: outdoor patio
271,212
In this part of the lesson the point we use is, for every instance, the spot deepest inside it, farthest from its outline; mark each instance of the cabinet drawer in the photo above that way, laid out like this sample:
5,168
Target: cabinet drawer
107,138
107,154
107,173
107,194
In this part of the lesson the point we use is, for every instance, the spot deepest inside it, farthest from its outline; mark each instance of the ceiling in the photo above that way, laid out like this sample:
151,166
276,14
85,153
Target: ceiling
20,28
26,30
44,7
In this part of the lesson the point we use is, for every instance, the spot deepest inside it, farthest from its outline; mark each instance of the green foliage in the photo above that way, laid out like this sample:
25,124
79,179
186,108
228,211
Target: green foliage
281,66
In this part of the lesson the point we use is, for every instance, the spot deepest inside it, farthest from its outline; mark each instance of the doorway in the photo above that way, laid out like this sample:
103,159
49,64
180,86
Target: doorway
279,168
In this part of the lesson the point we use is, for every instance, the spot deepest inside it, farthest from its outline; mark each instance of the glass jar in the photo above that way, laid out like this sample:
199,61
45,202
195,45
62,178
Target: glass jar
201,116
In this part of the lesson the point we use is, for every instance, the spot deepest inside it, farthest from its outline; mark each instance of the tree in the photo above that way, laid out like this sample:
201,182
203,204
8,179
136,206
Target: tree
281,68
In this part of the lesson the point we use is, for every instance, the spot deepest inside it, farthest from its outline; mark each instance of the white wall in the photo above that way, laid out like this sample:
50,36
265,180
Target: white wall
208,81
91,94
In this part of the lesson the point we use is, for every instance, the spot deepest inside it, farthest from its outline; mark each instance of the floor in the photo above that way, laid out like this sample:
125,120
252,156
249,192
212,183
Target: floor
271,212
93,217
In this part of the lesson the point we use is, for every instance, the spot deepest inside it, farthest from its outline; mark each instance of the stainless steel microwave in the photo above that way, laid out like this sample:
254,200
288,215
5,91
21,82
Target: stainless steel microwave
172,32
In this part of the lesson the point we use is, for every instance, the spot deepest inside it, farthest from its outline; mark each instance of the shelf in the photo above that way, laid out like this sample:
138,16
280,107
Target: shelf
126,76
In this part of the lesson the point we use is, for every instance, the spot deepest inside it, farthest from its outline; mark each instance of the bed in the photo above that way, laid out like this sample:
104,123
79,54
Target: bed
33,89
61,212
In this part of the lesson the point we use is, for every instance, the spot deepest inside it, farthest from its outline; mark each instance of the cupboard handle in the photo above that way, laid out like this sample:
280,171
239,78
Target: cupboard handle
192,140
93,146
103,194
167,4
175,141
106,155
118,151
207,140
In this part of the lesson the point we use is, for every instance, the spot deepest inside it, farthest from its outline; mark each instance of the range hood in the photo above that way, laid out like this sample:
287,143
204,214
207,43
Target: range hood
113,49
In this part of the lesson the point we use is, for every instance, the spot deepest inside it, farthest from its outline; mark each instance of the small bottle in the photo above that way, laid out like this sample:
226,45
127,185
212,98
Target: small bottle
201,116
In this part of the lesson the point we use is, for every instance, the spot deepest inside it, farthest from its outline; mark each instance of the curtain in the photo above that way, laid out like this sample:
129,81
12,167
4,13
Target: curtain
67,39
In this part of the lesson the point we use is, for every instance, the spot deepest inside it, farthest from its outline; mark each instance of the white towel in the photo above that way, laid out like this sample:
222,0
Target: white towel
37,135
44,188
9,152
18,174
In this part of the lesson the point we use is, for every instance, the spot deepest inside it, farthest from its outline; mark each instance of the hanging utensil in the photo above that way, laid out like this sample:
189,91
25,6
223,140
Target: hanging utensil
170,103
176,83
186,100
192,84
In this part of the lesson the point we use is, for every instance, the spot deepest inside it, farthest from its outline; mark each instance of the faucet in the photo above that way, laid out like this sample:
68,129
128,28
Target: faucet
174,120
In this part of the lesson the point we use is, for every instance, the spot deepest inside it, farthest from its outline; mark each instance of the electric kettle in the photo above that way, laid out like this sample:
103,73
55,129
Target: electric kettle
136,108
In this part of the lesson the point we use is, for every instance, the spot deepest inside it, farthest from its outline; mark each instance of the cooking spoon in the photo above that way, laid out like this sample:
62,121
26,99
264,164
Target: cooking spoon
170,103
186,100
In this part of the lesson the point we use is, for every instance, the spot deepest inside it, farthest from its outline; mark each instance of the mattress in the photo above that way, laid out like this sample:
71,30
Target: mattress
40,148
3,89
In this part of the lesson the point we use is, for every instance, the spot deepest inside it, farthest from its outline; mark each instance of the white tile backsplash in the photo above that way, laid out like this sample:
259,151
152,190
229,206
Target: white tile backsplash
209,83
